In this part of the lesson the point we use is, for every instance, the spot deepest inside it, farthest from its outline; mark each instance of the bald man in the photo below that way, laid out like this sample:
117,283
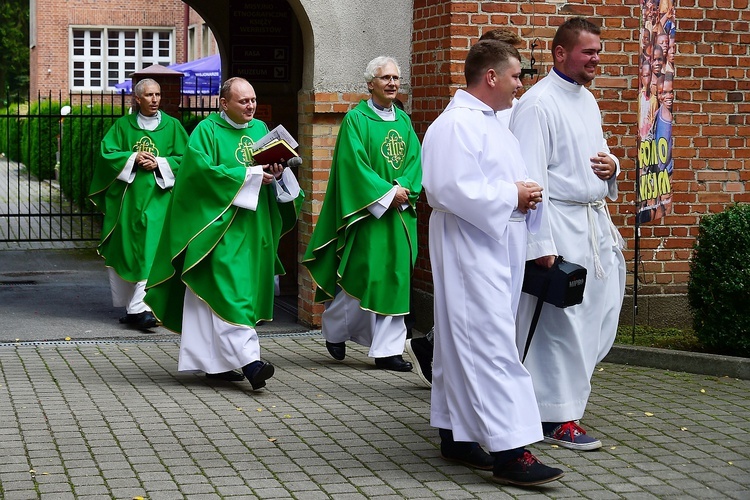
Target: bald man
213,279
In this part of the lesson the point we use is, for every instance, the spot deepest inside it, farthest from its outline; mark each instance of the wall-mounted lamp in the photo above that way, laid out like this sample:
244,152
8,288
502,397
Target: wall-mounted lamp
531,70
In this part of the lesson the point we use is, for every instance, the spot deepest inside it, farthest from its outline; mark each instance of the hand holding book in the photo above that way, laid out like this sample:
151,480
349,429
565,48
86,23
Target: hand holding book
277,146
276,151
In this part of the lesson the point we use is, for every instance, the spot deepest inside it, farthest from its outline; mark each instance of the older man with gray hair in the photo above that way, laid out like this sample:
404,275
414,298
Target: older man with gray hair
132,186
364,246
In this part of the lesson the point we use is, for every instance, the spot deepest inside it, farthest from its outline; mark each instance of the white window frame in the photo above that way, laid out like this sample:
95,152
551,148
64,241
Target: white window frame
192,44
205,40
134,48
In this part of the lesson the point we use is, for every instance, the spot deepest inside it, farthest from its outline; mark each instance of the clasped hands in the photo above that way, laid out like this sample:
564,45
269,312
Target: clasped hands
401,197
145,160
529,195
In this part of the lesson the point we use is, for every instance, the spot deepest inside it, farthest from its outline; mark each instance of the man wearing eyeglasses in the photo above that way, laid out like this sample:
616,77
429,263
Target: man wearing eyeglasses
364,246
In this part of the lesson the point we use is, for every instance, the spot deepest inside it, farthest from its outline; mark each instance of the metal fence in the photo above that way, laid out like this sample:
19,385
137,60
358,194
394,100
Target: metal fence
48,148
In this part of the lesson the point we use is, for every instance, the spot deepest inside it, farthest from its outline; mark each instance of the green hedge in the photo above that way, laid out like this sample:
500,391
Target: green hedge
83,131
719,285
11,132
39,141
190,121
31,138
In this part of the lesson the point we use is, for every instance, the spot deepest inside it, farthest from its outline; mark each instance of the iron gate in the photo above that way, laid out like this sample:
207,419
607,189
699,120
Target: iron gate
47,153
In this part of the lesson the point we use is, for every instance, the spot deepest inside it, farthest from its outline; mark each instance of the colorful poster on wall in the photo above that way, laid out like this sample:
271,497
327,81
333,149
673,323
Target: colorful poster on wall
655,99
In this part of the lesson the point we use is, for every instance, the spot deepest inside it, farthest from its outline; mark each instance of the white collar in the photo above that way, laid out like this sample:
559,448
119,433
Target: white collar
233,123
387,114
149,122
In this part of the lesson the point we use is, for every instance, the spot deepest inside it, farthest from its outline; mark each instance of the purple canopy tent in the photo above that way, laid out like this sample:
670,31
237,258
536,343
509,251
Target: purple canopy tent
202,76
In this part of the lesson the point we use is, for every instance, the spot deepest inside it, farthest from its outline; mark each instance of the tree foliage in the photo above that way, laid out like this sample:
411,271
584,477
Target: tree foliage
14,48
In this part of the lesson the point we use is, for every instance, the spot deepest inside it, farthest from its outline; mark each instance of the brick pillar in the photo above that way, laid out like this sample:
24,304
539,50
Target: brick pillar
436,72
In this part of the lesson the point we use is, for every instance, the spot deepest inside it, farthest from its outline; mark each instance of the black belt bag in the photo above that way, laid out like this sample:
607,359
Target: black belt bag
561,285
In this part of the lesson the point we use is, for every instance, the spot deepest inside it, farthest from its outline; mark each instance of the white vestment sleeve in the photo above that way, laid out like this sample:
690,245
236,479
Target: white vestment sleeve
534,218
287,188
529,125
128,172
379,207
248,195
453,177
612,192
166,180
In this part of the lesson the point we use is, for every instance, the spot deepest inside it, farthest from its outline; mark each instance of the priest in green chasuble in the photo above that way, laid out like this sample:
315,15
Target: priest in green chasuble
213,278
132,186
364,246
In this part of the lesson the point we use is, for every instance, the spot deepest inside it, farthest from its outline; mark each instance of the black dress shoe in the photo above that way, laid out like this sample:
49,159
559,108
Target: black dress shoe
394,363
129,319
337,350
145,320
230,376
141,321
258,372
420,350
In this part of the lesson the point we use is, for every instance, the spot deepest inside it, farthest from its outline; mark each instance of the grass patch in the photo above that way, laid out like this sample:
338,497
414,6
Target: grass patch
664,338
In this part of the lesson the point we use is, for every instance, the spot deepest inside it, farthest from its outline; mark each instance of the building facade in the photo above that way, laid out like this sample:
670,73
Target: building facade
85,46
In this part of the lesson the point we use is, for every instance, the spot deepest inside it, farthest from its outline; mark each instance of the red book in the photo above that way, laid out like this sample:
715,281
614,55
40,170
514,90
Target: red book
276,151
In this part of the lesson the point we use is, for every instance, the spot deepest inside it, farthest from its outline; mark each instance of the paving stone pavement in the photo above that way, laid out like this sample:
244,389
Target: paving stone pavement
114,419
96,419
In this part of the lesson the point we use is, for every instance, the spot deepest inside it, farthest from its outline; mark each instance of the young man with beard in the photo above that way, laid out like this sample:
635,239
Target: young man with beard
559,126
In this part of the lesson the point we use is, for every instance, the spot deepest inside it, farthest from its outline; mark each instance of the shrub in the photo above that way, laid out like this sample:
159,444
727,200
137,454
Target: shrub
83,131
719,285
39,141
190,121
11,131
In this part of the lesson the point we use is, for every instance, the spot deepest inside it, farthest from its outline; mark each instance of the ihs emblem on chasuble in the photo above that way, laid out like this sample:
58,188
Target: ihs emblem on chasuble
393,149
244,152
146,144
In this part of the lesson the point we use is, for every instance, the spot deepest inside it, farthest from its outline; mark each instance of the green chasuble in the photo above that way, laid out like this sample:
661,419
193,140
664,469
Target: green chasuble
370,259
134,213
227,255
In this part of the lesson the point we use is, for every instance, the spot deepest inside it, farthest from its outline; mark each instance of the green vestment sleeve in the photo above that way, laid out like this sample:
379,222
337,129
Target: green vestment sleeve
134,212
226,255
371,259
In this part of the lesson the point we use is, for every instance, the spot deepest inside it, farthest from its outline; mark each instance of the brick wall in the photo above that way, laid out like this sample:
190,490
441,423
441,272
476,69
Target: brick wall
712,101
50,55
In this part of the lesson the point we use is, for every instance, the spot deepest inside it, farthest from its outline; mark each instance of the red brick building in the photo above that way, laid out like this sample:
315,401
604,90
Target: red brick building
84,46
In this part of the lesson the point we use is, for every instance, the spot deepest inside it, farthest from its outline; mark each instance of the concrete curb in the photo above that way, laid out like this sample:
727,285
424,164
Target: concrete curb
682,361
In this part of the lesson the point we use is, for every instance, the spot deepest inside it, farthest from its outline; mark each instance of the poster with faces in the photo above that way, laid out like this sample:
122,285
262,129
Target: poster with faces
655,98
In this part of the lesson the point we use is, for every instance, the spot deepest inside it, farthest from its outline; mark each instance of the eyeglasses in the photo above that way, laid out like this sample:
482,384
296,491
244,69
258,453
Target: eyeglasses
388,78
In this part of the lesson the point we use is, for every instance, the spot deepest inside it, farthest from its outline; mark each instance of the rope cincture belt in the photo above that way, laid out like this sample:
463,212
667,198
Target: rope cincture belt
593,233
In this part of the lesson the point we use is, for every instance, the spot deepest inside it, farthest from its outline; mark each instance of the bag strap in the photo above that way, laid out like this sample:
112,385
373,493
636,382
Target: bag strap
539,303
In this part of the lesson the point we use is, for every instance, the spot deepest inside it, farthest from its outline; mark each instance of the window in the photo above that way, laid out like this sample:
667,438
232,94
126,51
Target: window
191,43
104,57
206,39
